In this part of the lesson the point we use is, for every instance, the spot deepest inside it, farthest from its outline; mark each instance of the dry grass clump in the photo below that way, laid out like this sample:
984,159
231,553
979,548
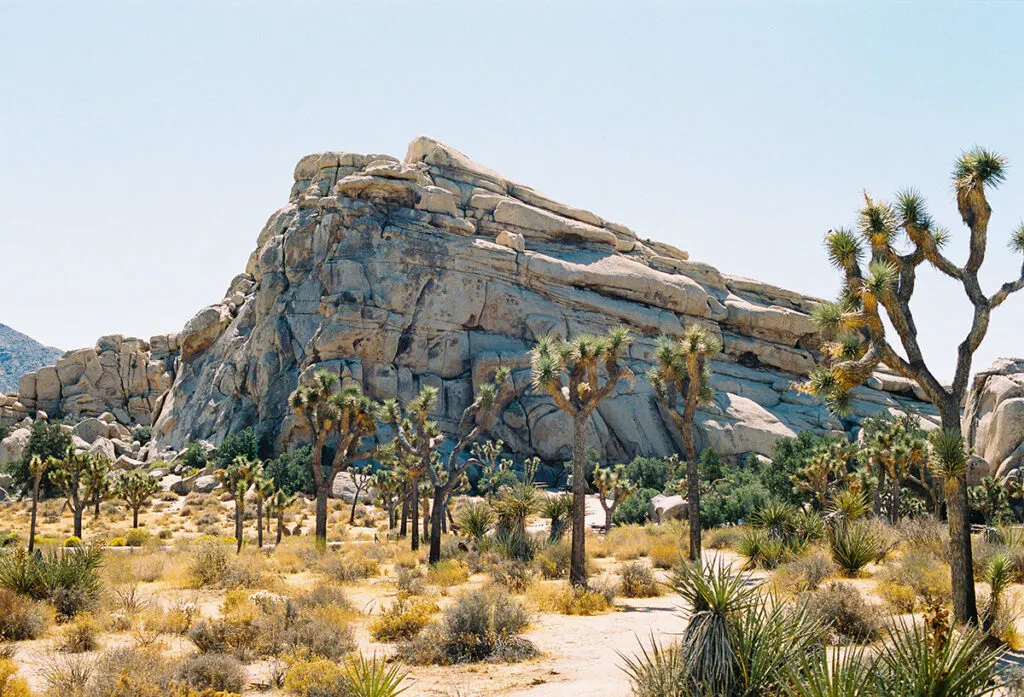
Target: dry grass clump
925,575
567,599
637,581
447,573
81,635
212,671
481,625
665,555
843,610
805,573
357,676
403,619
21,617
348,566
722,538
514,576
266,624
213,564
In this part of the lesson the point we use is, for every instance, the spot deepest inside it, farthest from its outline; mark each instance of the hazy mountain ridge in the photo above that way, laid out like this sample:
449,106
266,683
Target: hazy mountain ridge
20,354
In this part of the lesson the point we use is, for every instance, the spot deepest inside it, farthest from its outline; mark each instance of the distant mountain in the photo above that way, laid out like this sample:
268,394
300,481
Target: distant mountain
20,354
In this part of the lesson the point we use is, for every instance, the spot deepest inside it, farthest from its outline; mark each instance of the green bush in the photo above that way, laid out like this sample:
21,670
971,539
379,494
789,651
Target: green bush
72,541
650,473
635,509
292,472
240,444
118,542
137,537
45,440
69,579
842,608
143,434
761,549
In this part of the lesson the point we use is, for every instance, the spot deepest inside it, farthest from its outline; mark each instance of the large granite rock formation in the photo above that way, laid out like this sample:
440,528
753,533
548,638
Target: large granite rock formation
994,417
20,354
434,271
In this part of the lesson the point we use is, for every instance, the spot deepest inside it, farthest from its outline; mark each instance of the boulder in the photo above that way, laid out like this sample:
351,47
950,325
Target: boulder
126,463
104,447
344,488
91,429
664,508
13,446
205,483
993,420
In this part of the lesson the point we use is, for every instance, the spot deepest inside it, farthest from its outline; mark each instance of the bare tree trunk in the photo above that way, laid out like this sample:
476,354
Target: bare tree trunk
135,516
321,518
961,563
692,491
76,513
876,504
436,516
259,524
578,556
280,526
414,513
32,524
239,504
894,513
403,530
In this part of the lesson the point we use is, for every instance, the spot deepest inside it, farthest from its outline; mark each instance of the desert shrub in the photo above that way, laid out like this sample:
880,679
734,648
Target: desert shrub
81,635
842,608
356,677
292,472
118,542
403,619
72,541
478,626
212,671
137,537
901,598
69,579
164,534
348,567
46,439
638,582
515,545
513,575
854,546
209,563
723,538
447,573
11,684
636,508
239,444
21,617
805,573
567,599
924,533
664,555
553,560
925,574
409,581
315,677
652,473
730,493
67,675
143,434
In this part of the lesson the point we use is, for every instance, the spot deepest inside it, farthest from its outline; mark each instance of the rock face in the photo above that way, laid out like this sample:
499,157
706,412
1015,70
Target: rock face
20,354
434,271
993,419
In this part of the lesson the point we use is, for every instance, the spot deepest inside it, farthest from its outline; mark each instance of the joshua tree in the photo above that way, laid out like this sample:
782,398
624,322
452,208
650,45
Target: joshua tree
237,477
388,481
557,510
36,467
262,489
97,481
613,487
825,471
360,478
278,504
417,435
856,334
681,373
136,488
349,414
570,371
894,448
68,475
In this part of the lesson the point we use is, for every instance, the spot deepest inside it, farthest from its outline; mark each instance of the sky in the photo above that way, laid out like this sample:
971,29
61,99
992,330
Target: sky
143,145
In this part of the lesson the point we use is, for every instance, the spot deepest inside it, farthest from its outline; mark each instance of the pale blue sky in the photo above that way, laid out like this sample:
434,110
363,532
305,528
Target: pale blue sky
143,146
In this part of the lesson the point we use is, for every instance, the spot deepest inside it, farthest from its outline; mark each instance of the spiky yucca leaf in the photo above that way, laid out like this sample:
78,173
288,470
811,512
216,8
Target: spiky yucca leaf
881,278
913,665
827,317
940,236
1017,239
844,249
831,673
979,166
949,455
878,223
911,208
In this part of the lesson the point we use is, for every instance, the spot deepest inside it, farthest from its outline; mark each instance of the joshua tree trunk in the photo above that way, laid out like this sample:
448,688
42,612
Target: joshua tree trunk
403,530
259,524
135,517
894,495
32,523
692,494
76,512
578,557
436,517
238,524
876,504
321,517
96,511
961,560
414,513
280,526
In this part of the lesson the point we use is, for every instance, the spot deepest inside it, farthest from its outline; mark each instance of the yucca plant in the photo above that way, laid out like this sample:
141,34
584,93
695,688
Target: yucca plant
848,505
476,519
998,574
830,673
775,518
373,677
853,547
916,664
557,510
656,671
761,550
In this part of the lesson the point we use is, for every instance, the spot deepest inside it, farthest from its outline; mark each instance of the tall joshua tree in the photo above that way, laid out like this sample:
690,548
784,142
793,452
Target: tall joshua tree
136,488
856,334
237,477
68,475
613,487
571,372
350,415
97,481
262,489
681,375
36,467
278,505
417,435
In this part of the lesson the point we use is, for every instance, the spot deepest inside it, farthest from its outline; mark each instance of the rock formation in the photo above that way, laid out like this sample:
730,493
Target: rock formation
993,419
433,271
20,354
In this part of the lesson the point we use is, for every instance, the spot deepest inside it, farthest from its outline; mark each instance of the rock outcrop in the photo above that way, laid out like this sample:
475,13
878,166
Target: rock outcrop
434,270
993,419
20,354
